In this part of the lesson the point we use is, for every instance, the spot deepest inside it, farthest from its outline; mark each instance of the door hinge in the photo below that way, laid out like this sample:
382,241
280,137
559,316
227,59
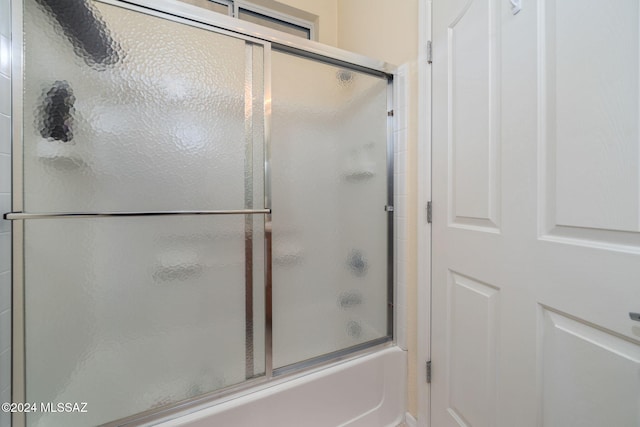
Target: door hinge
429,372
429,52
390,113
429,212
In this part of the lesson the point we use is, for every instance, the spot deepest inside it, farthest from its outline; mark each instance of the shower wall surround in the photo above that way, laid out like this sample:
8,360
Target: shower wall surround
147,113
5,206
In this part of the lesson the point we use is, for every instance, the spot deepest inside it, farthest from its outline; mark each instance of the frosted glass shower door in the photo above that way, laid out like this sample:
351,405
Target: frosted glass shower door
128,111
330,187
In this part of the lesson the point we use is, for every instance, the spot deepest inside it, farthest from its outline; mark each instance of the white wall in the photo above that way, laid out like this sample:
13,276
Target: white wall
5,206
379,28
388,31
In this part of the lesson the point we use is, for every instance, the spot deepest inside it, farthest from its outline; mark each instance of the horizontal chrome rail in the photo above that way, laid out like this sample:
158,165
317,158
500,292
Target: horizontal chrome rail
13,216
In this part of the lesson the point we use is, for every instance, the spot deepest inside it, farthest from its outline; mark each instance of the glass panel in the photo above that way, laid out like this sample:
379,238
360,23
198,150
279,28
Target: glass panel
126,111
254,199
208,4
130,112
329,190
129,314
276,24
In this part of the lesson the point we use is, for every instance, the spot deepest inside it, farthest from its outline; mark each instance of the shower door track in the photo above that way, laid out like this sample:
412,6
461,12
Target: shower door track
252,33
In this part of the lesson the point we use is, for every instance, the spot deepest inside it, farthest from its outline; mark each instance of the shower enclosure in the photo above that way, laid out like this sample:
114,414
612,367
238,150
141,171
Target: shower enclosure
197,209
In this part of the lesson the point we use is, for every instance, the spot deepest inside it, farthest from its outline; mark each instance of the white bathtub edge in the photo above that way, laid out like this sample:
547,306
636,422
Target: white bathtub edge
371,390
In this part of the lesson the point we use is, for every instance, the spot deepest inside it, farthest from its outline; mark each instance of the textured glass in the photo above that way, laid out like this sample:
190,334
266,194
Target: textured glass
254,199
129,314
276,24
126,111
139,113
329,190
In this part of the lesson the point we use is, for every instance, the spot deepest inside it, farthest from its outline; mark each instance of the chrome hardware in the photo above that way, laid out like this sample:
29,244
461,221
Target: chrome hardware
516,6
13,216
635,316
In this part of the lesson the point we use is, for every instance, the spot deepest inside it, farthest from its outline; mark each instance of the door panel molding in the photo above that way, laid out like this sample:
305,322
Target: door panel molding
574,388
588,155
472,325
474,118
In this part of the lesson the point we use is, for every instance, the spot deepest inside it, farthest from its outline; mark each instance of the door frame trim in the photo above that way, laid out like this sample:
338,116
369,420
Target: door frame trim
424,228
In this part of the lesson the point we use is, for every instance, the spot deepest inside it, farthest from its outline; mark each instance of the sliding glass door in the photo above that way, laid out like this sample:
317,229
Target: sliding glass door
330,196
196,210
129,112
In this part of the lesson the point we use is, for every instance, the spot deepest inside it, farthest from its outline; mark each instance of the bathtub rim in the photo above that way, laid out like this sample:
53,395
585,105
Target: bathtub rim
247,388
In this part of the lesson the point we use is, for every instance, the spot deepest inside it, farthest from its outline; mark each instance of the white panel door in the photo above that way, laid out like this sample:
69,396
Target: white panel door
536,222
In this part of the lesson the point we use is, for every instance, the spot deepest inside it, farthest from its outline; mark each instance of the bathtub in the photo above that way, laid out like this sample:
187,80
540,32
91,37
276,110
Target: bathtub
368,391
